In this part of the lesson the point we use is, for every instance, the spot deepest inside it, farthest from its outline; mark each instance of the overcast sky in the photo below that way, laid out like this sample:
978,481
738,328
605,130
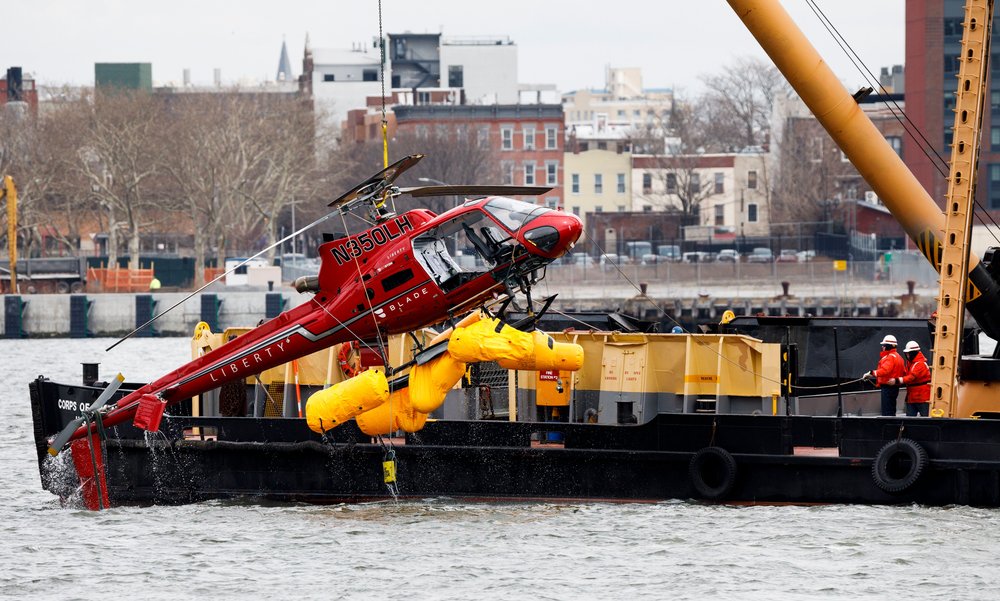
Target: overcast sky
561,42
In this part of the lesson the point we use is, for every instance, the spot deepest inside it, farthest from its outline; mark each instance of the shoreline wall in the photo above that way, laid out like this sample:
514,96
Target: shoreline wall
114,314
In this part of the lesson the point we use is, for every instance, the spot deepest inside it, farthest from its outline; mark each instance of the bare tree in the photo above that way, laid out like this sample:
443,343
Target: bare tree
454,156
119,151
33,151
676,160
281,159
813,175
738,103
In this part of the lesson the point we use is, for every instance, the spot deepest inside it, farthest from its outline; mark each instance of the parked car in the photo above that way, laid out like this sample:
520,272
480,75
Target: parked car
761,254
727,255
651,259
578,259
671,251
610,260
697,257
788,256
804,256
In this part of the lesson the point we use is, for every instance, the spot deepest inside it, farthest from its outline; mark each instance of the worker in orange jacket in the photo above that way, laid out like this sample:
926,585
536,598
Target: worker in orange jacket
888,374
917,381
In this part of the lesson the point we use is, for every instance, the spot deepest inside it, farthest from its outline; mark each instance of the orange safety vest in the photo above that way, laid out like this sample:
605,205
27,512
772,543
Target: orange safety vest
890,365
918,380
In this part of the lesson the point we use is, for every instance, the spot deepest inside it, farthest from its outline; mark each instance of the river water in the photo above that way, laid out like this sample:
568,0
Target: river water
443,549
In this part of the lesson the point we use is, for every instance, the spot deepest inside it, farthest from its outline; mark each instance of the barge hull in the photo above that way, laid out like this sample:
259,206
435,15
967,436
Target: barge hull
774,459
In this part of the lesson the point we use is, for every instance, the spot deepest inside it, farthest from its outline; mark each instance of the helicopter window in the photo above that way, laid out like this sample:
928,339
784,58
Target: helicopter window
433,255
513,214
397,279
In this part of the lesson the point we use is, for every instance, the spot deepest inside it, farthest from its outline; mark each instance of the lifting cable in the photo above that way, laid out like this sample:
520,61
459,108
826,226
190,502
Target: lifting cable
387,195
911,128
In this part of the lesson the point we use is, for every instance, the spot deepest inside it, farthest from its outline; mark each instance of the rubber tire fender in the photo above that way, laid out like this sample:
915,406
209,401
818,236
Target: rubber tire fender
881,466
713,472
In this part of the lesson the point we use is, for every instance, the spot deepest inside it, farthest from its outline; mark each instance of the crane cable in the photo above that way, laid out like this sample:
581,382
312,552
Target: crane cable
937,161
387,195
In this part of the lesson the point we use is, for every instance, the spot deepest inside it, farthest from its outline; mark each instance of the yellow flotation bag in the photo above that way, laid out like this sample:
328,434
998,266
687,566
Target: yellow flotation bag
512,348
329,408
395,414
429,383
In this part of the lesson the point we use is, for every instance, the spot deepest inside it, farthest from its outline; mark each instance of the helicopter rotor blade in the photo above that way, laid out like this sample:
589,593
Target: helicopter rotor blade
377,183
63,437
473,190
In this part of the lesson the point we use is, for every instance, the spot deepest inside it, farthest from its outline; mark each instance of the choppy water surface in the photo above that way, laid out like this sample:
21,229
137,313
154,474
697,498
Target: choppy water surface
442,549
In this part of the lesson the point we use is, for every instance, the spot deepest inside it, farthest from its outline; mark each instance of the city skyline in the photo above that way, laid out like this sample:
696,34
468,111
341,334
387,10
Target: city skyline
558,43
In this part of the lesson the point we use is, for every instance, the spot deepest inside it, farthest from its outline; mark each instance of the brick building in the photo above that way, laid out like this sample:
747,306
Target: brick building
23,90
527,138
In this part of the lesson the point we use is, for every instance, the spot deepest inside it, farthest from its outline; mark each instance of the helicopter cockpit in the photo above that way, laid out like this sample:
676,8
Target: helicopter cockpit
475,241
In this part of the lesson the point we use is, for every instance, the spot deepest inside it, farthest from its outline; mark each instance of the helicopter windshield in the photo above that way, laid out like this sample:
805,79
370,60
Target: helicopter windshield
513,214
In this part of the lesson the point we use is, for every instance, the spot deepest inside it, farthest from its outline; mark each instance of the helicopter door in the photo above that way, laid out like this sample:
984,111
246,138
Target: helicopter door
435,258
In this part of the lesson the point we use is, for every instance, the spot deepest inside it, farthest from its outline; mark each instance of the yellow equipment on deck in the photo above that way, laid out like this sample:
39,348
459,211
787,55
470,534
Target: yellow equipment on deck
476,339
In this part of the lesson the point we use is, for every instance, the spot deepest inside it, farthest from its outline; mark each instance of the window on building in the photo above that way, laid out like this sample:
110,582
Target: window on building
552,202
551,173
421,131
621,114
720,185
598,208
621,208
720,215
529,174
598,183
423,97
751,180
671,183
529,138
994,101
584,147
995,138
576,211
953,26
602,145
815,150
507,138
620,188
752,212
551,137
456,78
369,75
483,136
575,183
507,173
994,185
694,186
647,208
328,77
647,183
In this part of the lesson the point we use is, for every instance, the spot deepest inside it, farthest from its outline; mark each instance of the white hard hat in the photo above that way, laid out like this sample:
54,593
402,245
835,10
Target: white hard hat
889,339
911,346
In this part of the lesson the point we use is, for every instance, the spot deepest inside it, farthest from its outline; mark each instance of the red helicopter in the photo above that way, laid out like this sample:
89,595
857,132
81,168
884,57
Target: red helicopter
395,277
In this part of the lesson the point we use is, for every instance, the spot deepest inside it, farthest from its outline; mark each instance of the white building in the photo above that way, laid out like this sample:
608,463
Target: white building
622,103
732,188
418,66
342,80
485,67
